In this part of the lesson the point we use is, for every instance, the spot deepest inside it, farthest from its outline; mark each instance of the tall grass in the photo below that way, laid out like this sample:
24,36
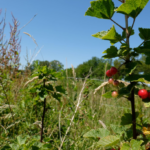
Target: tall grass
65,121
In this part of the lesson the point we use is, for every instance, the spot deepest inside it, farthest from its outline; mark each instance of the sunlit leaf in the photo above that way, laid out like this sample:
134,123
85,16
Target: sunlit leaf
132,8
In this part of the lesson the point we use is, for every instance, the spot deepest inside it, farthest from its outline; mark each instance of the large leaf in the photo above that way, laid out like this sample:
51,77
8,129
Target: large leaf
126,119
136,144
132,8
111,52
136,77
110,35
133,145
145,49
108,141
144,34
21,139
147,60
97,133
103,9
118,129
107,94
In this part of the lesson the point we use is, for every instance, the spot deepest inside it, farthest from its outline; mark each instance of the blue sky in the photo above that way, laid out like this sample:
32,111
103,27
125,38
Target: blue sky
62,31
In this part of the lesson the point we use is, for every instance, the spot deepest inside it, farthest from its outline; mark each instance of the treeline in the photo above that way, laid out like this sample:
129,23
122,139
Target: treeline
95,64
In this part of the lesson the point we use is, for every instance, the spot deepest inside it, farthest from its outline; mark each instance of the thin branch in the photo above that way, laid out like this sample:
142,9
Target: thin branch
117,24
142,43
131,28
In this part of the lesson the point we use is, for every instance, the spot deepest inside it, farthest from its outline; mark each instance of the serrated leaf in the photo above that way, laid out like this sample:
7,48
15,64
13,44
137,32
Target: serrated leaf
97,133
111,52
117,128
142,80
103,9
108,141
60,89
144,34
132,8
136,144
125,146
110,35
21,140
107,95
56,96
126,119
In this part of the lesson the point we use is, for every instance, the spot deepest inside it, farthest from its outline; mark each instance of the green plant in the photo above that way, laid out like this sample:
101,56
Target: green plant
46,87
105,9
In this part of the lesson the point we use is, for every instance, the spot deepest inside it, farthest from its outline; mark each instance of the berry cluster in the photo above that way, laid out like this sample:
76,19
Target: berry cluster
110,73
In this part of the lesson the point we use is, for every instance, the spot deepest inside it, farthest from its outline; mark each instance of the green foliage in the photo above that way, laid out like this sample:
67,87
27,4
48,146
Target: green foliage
102,9
110,35
132,8
98,133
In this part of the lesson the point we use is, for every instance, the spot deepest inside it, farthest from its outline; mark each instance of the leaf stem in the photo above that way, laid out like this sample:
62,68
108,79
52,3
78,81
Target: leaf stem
117,24
131,28
142,43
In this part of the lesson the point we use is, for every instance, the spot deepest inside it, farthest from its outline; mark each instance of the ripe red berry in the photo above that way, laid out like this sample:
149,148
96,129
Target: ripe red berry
116,83
110,80
114,94
143,93
113,70
108,73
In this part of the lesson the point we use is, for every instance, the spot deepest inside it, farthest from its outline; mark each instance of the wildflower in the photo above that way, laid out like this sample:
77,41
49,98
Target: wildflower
146,131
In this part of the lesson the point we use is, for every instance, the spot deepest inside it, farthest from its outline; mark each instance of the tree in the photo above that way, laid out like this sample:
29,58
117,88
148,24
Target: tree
97,66
55,65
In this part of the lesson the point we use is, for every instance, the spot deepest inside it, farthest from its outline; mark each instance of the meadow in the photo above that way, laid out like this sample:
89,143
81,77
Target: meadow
66,120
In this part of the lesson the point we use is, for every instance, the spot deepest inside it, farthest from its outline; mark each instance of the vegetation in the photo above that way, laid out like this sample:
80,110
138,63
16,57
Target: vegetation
42,108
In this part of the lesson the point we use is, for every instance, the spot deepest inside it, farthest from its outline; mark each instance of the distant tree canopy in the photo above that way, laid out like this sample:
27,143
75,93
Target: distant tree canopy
55,65
97,66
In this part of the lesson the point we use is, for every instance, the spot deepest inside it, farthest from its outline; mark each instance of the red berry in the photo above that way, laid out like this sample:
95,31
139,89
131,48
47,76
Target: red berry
115,83
113,70
114,94
110,80
108,73
143,93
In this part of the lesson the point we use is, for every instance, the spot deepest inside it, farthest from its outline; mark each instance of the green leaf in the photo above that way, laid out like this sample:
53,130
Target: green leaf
132,8
145,49
136,144
21,139
110,35
131,66
125,146
111,52
108,141
103,9
6,148
117,128
142,80
147,60
97,133
126,119
60,89
56,96
107,95
135,77
144,34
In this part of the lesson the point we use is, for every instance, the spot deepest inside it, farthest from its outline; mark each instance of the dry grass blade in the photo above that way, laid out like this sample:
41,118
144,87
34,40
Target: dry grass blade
31,80
31,38
7,106
102,123
102,85
39,123
74,73
105,83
